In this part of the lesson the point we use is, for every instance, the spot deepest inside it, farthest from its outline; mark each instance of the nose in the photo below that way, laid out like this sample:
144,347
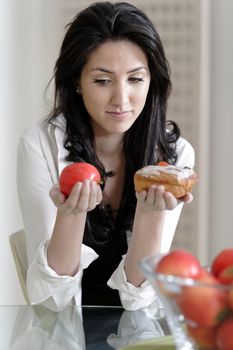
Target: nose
120,95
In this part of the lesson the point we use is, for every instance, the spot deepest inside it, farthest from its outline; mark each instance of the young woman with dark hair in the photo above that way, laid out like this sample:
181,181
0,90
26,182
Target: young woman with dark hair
112,83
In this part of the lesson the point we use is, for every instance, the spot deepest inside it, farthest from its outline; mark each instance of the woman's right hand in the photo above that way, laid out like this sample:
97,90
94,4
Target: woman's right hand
83,197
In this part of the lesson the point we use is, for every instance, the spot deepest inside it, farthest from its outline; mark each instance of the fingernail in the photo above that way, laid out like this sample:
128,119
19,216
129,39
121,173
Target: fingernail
53,193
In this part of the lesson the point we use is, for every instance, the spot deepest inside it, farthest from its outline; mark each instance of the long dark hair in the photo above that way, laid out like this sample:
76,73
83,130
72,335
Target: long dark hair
148,140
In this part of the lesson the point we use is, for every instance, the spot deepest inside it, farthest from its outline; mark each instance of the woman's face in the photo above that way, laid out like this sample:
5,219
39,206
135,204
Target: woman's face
114,84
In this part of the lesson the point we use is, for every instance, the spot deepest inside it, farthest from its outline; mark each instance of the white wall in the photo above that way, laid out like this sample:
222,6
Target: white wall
29,40
9,213
221,126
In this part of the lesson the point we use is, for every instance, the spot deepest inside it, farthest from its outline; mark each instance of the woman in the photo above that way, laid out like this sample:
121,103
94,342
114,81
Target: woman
111,88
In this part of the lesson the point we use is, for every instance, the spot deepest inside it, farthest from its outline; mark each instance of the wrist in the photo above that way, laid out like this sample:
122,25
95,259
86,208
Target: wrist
147,212
71,215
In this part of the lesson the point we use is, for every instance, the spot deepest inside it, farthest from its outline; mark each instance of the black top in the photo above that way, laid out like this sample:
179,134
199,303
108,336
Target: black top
94,282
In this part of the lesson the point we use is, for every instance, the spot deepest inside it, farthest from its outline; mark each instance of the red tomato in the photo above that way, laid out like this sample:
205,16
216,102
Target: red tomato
205,305
222,266
230,297
226,276
224,339
77,172
180,263
204,337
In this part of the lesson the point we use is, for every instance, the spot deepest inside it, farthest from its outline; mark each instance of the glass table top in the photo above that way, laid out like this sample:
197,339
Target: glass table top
77,328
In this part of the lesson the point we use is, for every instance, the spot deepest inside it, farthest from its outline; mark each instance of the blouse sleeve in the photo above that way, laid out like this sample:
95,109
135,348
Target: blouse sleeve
134,298
35,177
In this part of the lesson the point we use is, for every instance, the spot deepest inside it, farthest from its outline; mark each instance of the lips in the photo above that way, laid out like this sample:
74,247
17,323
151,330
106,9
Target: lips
119,115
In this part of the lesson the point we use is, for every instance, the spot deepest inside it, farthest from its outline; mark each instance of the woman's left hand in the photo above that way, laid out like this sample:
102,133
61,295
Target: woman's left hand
156,199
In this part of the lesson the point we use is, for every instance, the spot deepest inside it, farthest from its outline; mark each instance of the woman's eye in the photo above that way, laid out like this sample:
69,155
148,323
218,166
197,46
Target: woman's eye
135,79
102,81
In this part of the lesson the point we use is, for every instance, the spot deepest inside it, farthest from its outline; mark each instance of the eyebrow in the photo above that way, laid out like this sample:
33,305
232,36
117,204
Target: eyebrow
112,72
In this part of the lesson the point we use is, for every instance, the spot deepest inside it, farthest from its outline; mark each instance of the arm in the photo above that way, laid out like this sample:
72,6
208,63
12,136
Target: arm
148,229
64,249
153,232
37,172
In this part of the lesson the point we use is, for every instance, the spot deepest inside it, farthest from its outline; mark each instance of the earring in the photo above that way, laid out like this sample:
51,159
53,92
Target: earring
78,90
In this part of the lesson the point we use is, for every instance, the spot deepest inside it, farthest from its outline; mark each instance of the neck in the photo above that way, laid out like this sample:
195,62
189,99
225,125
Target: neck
110,152
109,146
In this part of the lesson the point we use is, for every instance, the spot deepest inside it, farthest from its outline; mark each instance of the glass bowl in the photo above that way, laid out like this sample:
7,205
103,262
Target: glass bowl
199,314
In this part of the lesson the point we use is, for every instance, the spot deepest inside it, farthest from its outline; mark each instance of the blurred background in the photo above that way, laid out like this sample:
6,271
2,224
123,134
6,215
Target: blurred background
198,40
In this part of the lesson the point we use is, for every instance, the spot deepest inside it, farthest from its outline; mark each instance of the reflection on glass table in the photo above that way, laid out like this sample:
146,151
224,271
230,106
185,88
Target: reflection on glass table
76,328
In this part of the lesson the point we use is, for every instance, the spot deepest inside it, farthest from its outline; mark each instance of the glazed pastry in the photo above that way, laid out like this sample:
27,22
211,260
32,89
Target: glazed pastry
177,180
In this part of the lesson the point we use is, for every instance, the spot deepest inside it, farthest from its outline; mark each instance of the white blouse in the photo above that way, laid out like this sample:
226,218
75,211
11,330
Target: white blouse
41,158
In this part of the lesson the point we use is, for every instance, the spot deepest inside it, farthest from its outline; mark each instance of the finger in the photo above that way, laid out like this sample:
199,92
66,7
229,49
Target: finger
74,196
187,198
53,192
151,195
93,195
141,196
99,195
159,201
170,200
83,203
56,195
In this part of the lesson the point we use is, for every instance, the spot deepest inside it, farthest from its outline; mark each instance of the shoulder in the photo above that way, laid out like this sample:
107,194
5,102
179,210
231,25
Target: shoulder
30,139
31,132
185,153
42,129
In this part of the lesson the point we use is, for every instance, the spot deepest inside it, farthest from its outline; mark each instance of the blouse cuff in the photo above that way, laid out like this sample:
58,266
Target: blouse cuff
43,282
132,298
